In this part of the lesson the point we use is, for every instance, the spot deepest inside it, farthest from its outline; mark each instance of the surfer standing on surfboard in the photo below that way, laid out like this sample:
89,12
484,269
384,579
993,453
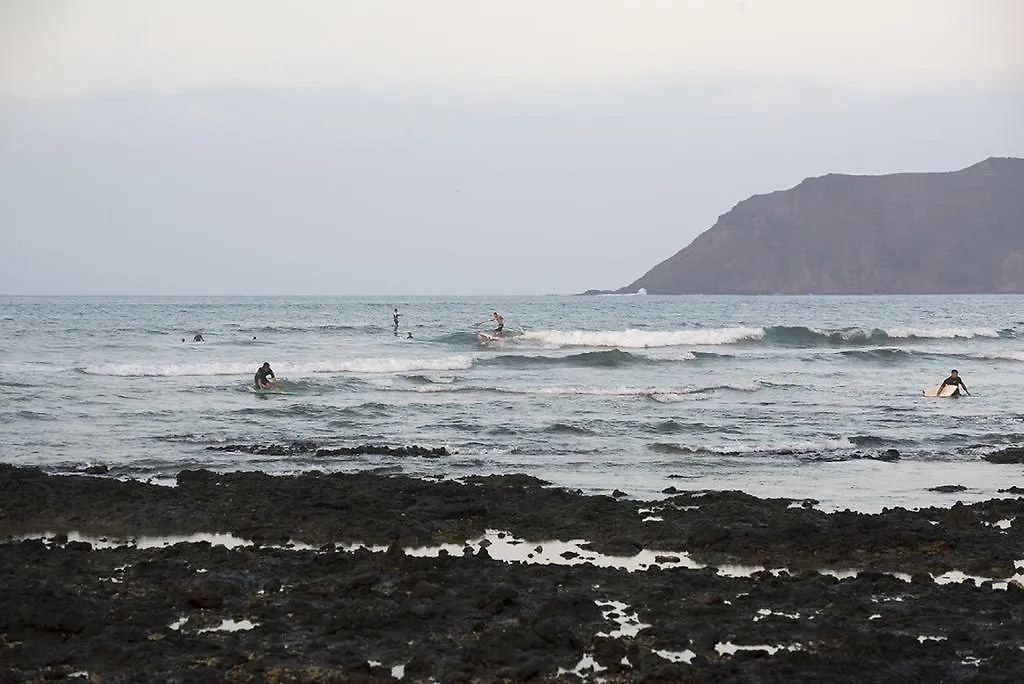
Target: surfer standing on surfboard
264,377
499,322
954,379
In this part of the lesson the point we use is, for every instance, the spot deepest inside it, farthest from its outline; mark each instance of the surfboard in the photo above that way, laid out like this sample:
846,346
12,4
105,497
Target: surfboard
272,390
484,338
946,391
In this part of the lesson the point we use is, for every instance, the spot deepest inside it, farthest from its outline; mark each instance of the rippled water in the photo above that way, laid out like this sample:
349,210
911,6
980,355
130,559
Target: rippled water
772,395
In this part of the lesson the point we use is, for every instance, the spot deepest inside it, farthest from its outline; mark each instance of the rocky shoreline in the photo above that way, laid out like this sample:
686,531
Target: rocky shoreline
362,577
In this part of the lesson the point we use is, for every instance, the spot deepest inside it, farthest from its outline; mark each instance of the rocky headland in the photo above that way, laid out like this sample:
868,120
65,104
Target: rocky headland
958,232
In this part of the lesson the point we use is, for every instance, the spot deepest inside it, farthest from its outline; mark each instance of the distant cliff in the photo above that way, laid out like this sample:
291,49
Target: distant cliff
956,232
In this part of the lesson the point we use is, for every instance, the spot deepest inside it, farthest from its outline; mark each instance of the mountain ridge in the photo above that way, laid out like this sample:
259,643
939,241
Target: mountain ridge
947,232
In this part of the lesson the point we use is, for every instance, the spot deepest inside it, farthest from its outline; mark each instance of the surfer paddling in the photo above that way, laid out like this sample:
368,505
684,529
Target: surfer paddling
955,380
265,378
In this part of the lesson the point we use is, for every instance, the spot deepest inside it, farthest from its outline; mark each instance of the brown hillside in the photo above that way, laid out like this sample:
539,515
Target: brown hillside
955,232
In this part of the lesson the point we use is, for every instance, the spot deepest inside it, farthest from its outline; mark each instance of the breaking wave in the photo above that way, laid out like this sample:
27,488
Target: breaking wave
367,365
799,336
638,339
783,336
612,358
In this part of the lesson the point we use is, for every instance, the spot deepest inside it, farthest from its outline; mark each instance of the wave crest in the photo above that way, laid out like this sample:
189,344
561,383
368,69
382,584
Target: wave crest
367,365
639,339
800,336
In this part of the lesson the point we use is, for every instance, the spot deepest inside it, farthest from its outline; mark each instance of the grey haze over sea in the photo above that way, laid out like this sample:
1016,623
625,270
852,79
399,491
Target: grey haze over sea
775,396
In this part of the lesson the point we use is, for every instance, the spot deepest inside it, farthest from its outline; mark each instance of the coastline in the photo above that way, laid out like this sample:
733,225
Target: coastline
362,577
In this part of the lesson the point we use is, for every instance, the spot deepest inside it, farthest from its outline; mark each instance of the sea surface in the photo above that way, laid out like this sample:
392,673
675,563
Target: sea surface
775,396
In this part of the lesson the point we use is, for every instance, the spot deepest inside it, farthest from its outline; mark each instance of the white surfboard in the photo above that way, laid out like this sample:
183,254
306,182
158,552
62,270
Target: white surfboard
940,391
484,338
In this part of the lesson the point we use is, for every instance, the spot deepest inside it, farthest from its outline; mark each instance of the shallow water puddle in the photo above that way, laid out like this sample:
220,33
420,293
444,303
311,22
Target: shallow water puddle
224,626
583,668
729,648
629,625
628,620
686,656
144,542
397,671
502,546
762,613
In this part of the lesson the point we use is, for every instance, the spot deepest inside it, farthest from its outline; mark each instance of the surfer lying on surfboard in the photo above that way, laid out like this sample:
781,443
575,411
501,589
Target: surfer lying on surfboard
265,378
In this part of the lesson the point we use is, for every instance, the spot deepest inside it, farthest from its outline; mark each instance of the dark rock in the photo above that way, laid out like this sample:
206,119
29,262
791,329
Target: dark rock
323,452
325,614
210,592
1007,455
948,488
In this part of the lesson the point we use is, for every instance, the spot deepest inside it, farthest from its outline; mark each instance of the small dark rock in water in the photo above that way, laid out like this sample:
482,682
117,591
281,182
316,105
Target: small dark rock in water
948,488
307,447
888,455
383,450
618,494
670,490
97,470
1012,490
1007,455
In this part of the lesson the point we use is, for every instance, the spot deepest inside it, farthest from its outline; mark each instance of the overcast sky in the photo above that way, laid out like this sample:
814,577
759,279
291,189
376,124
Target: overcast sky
458,146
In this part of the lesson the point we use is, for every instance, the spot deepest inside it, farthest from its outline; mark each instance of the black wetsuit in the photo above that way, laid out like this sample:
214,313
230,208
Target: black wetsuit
197,338
261,377
954,380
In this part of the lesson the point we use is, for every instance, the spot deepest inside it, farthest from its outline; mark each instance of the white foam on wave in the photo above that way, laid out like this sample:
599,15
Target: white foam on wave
613,391
942,333
999,356
837,444
638,339
365,365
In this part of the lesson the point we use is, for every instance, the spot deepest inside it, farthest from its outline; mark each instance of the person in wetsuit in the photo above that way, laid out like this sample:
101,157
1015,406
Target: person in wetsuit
198,337
954,379
264,377
499,321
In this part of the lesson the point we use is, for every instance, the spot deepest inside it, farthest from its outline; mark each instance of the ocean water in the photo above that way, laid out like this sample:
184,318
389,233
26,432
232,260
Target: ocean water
775,396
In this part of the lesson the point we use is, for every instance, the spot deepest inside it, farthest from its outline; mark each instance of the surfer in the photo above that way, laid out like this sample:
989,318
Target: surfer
264,377
396,316
954,379
499,322
199,336
408,335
